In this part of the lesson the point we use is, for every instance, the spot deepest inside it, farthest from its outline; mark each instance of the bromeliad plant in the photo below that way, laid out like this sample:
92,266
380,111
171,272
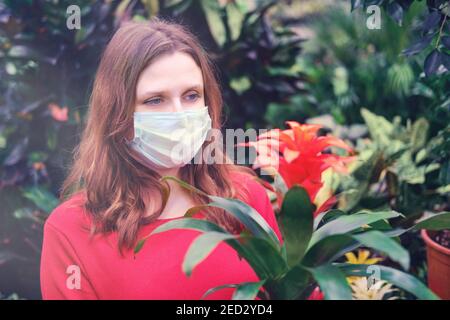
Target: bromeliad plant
314,240
311,249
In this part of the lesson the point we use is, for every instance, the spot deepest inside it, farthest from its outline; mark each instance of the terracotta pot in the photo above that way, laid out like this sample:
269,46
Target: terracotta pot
438,266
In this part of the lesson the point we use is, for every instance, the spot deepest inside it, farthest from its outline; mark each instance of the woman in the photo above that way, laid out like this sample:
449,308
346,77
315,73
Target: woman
154,91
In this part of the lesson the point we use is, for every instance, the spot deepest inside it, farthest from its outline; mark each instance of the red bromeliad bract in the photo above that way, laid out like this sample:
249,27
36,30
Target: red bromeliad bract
298,155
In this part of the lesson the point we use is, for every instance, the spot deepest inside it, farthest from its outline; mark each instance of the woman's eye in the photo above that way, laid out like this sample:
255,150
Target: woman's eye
192,96
153,101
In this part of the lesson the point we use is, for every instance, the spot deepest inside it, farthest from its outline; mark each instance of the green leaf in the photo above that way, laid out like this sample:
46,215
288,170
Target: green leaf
41,197
261,254
213,15
84,32
52,138
333,247
323,216
235,18
212,290
185,223
380,129
240,84
247,290
188,223
184,185
398,278
350,223
441,190
296,219
369,161
249,217
350,198
379,241
329,249
27,213
332,282
201,247
2,141
419,133
263,257
139,246
37,156
438,221
152,7
291,285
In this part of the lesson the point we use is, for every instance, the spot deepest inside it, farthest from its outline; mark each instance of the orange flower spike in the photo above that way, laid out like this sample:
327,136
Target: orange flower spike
307,131
303,134
287,140
297,132
302,160
324,142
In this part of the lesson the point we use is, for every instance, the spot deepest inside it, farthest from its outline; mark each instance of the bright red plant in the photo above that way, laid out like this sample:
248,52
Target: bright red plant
300,155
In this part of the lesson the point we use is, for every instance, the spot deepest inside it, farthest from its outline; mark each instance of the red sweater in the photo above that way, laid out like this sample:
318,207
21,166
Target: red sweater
73,266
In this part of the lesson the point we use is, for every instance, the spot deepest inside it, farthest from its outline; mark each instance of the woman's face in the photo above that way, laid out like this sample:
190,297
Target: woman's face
171,83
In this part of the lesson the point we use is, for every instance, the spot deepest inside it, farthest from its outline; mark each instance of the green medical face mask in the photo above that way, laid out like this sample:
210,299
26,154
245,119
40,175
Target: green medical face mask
170,139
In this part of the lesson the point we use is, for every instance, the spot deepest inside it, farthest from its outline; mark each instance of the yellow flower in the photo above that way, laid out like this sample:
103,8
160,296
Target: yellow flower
362,258
377,291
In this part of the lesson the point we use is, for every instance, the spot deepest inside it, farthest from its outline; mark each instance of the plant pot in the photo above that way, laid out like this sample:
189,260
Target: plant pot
438,266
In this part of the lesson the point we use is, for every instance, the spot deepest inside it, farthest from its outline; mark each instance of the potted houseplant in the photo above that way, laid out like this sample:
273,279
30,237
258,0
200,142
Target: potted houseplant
438,242
438,256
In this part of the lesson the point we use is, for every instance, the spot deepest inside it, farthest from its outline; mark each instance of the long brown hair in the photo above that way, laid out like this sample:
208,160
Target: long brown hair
112,181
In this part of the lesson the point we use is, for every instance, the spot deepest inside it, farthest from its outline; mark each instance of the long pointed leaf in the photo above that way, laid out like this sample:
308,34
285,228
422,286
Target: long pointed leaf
296,219
438,221
212,290
247,291
333,247
398,278
291,286
263,257
185,223
240,210
379,241
329,249
327,214
350,223
262,254
332,282
253,220
201,247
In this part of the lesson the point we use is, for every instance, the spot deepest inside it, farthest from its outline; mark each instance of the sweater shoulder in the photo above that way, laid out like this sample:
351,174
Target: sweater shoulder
69,215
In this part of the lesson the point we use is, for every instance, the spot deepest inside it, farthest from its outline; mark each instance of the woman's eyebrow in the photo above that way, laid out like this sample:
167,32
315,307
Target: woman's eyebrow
197,87
146,94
